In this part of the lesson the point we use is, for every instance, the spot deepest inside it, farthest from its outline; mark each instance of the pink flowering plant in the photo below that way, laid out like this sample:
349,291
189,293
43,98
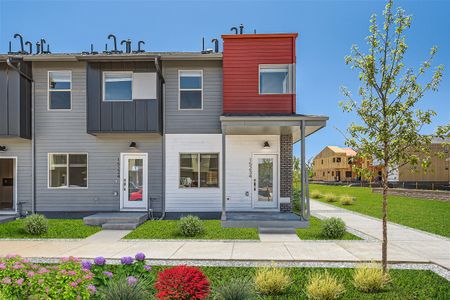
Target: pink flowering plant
21,279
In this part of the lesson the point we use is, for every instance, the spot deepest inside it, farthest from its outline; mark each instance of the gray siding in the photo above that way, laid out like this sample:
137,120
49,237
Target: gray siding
66,132
134,116
21,149
193,121
15,102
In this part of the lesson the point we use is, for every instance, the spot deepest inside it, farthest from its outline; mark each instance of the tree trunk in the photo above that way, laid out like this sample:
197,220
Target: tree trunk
385,204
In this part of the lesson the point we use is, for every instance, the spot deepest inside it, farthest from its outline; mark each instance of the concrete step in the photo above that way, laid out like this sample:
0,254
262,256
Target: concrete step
277,230
6,218
119,226
119,217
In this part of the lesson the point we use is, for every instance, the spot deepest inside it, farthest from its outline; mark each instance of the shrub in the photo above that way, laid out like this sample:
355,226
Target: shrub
21,279
271,281
235,289
330,197
315,194
182,282
36,224
347,200
123,288
323,286
190,226
333,228
369,278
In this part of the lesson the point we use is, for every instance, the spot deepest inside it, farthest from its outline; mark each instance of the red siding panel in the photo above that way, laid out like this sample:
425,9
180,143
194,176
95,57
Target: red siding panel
242,55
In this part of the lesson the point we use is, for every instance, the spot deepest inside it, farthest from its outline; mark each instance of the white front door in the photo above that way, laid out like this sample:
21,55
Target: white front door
133,181
265,181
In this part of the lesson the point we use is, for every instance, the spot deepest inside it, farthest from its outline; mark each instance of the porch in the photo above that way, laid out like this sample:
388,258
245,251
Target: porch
267,185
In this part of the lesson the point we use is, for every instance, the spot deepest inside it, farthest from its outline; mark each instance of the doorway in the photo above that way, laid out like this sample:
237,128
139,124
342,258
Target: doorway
265,181
134,183
8,188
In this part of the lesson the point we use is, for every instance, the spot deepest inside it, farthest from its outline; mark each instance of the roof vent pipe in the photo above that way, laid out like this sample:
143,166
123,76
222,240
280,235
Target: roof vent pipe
139,50
10,48
30,45
18,35
234,29
38,48
112,36
216,45
241,29
43,41
48,49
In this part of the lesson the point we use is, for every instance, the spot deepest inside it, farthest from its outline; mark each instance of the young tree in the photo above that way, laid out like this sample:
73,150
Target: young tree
389,122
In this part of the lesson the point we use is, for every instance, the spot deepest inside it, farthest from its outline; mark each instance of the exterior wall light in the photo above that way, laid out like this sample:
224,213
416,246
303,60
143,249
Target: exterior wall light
132,145
266,145
3,148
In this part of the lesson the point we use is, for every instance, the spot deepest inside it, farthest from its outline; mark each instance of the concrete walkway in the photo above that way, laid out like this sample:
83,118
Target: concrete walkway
406,245
413,242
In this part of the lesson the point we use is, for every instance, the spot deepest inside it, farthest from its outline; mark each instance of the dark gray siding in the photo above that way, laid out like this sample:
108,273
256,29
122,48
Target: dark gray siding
135,116
193,121
20,149
15,102
65,132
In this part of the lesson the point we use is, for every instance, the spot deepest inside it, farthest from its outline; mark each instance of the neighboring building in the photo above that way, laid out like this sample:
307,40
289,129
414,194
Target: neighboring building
438,172
336,164
171,132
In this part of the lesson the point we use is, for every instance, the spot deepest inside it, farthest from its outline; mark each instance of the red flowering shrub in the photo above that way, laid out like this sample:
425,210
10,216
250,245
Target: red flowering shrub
182,282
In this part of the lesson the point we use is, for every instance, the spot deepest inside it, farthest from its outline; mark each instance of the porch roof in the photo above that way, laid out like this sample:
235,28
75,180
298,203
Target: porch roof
273,124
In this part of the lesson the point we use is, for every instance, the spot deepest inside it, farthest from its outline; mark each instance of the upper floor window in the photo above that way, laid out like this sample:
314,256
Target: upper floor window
338,159
67,170
59,90
117,86
190,89
275,79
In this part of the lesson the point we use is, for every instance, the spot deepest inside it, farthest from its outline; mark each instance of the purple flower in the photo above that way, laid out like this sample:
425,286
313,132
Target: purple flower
126,260
140,256
20,281
73,284
2,266
131,280
72,273
148,268
85,264
92,289
6,280
30,274
99,261
108,274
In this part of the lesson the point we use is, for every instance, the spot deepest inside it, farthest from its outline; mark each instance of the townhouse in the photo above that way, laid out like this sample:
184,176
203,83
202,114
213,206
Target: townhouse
170,133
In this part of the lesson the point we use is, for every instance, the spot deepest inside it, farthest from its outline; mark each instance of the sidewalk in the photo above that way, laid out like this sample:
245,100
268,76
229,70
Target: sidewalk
406,245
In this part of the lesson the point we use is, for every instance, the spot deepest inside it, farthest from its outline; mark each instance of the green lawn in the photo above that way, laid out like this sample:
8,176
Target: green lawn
58,229
406,284
428,215
168,229
313,232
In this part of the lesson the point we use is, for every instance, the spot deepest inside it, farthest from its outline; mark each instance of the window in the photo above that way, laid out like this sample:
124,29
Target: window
323,173
348,174
199,170
59,90
322,162
275,79
334,159
332,173
67,170
338,159
117,86
191,89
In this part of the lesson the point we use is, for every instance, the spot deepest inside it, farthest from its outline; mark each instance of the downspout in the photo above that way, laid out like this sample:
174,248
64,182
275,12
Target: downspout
163,93
33,140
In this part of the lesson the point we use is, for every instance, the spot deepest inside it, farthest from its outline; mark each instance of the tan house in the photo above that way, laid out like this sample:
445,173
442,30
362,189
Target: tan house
336,164
439,170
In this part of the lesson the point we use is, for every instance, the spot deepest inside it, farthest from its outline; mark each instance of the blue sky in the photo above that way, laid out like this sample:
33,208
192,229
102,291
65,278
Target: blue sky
327,29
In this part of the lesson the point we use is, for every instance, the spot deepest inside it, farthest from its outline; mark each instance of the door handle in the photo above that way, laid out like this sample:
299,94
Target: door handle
254,185
124,184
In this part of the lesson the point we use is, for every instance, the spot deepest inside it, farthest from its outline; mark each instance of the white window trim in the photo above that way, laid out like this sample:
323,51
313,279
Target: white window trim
198,187
103,86
64,90
291,78
179,89
68,187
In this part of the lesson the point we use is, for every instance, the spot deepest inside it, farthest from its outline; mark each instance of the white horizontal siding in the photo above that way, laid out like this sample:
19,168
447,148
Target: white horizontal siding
191,199
239,151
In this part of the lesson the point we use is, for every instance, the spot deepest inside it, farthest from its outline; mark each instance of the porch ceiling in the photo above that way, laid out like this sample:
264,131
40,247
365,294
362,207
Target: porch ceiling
271,125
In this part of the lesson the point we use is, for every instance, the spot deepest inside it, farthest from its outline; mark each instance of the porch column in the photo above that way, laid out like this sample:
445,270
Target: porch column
224,200
303,191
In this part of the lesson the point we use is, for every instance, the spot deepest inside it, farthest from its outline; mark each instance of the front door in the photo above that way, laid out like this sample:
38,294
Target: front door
134,183
7,185
265,181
